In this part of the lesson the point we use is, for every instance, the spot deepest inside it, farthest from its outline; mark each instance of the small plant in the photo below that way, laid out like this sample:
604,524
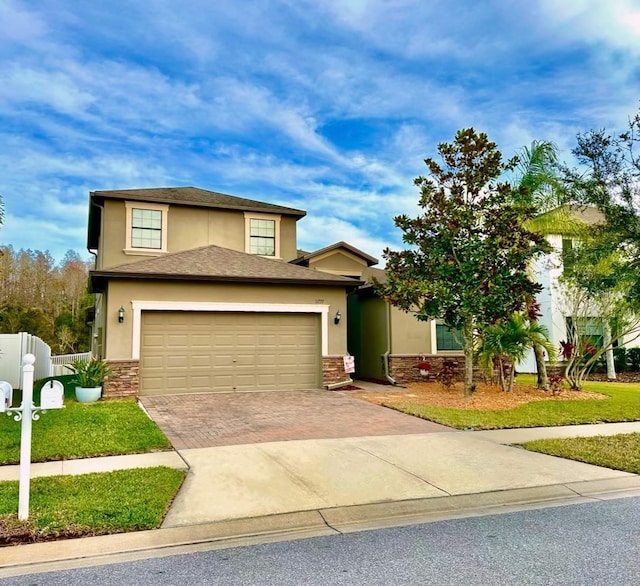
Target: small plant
447,374
566,350
556,384
88,373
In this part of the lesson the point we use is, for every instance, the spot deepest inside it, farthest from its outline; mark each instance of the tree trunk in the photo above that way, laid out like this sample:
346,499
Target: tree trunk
541,367
606,341
512,376
467,334
503,387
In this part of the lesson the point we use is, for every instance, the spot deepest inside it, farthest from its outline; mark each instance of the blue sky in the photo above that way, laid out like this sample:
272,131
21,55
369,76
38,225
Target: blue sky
325,105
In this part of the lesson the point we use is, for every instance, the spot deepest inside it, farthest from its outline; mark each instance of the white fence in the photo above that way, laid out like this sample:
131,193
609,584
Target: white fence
13,347
58,363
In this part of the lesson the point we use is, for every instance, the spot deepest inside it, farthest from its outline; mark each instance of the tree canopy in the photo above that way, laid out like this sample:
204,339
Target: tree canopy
468,252
44,299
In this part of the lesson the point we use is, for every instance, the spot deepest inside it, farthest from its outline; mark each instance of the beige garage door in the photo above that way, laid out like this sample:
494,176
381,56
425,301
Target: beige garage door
195,352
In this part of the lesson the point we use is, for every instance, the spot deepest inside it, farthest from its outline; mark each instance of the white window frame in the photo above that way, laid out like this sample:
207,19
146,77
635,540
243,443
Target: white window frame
248,216
137,307
129,207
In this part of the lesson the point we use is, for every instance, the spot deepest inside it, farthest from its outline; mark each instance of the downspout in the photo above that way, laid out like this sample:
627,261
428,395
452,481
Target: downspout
385,356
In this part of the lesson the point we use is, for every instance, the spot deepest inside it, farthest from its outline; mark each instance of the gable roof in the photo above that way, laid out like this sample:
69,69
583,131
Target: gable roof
568,220
217,264
304,257
185,196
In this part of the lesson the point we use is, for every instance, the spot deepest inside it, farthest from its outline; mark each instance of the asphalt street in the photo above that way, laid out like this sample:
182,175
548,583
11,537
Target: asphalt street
587,544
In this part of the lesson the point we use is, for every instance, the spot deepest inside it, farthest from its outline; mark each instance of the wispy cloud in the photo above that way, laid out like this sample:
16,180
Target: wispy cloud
328,106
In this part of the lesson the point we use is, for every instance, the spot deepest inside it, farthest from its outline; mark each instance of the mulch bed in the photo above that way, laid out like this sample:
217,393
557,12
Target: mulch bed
486,397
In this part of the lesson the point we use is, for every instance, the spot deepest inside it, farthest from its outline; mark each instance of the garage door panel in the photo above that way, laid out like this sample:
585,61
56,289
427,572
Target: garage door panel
218,351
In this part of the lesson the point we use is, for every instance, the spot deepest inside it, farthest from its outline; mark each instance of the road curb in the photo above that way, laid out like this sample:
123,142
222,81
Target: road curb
108,549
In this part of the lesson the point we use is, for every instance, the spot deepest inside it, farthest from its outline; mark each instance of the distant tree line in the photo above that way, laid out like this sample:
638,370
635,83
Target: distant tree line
46,299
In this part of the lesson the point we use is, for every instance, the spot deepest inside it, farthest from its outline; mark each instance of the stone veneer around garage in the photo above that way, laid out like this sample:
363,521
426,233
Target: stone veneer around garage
124,381
333,371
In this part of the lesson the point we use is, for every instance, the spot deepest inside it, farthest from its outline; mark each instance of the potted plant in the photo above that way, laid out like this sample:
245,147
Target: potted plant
88,377
424,367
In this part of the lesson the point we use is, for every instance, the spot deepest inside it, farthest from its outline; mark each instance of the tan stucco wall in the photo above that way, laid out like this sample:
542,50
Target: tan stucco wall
289,242
340,262
187,227
112,236
121,293
408,335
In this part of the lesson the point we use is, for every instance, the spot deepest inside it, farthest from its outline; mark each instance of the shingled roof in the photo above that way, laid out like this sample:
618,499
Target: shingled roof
218,264
186,196
194,196
303,256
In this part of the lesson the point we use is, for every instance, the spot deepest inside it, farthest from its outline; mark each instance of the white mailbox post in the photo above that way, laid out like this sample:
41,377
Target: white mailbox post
51,398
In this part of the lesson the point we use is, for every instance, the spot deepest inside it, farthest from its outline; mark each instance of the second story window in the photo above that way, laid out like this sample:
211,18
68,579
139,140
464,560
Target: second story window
262,234
146,228
263,237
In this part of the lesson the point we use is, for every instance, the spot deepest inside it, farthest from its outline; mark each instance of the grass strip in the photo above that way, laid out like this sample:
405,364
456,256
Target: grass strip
89,504
620,452
83,430
623,404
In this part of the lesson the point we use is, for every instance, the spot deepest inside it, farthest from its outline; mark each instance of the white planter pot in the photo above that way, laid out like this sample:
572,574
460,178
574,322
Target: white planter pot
88,394
424,372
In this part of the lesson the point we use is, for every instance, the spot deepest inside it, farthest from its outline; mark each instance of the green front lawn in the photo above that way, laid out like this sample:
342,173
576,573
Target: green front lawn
83,430
89,504
623,404
620,452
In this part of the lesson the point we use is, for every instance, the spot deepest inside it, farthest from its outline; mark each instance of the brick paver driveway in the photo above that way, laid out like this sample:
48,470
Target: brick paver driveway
222,419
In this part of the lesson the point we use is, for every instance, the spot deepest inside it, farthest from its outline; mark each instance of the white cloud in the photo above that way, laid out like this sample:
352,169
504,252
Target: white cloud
615,22
18,24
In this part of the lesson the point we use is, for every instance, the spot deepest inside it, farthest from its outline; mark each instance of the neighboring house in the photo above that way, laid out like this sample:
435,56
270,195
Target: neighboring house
195,292
555,308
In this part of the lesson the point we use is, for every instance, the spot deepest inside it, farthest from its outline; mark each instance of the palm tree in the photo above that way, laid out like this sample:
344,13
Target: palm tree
506,343
540,186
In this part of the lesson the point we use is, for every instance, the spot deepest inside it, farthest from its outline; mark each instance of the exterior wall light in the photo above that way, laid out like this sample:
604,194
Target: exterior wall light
121,315
337,318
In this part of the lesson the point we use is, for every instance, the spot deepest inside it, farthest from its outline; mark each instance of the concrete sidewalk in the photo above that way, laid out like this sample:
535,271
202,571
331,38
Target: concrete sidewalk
281,490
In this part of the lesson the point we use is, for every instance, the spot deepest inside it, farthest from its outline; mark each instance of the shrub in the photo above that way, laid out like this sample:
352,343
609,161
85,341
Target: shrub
620,359
633,355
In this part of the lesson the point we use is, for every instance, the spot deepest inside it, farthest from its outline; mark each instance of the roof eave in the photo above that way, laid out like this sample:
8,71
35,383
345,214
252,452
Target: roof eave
102,195
100,278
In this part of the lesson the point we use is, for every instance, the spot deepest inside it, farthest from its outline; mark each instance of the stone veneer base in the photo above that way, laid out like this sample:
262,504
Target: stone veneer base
124,381
403,368
333,372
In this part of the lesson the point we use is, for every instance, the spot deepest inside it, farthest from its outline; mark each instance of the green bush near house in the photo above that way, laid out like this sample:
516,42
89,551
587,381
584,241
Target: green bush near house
82,430
623,404
620,452
89,504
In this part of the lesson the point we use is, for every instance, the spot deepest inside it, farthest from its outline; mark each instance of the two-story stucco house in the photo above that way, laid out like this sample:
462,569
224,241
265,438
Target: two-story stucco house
195,293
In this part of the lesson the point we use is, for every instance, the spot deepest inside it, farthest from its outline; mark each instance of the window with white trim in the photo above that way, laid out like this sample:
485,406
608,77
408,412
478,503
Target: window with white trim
146,228
262,234
447,339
